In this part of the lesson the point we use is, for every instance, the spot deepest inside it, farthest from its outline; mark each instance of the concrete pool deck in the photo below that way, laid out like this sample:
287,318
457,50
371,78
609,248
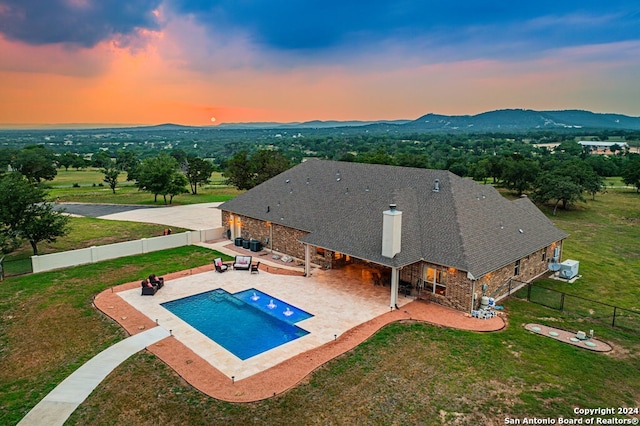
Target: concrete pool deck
347,310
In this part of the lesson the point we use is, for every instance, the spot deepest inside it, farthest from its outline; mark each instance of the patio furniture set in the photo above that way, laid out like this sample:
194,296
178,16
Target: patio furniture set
151,285
240,263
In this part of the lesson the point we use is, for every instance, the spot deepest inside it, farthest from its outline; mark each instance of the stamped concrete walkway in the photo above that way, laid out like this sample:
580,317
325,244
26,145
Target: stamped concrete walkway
61,402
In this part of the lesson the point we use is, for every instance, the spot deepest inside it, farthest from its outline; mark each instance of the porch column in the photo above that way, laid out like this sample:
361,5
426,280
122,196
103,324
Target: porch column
395,280
232,226
307,261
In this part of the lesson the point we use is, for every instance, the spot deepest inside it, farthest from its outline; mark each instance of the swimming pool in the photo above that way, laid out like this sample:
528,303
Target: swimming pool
246,324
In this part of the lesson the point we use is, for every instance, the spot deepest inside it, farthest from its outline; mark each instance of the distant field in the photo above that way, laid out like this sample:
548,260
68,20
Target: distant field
84,177
92,175
90,191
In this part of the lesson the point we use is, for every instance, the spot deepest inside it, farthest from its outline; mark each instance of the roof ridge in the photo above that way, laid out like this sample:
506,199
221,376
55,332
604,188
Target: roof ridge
459,233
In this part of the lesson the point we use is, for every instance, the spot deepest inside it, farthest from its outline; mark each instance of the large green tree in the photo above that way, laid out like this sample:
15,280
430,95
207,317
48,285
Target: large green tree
67,159
631,171
238,171
111,174
245,172
127,161
159,176
197,171
36,163
25,214
267,164
518,173
554,186
101,159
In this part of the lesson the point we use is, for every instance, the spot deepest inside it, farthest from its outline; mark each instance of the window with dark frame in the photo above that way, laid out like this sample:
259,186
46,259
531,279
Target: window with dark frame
517,268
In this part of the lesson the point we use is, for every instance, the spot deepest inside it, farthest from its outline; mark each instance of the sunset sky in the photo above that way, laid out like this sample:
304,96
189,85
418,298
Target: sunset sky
188,61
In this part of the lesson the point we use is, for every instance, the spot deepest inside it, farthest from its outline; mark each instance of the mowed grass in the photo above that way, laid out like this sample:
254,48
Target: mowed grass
90,191
605,239
49,327
408,373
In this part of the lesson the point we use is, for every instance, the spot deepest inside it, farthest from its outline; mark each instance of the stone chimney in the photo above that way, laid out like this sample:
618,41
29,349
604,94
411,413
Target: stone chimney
391,231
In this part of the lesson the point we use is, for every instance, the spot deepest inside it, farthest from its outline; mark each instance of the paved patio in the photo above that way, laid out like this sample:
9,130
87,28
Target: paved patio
347,310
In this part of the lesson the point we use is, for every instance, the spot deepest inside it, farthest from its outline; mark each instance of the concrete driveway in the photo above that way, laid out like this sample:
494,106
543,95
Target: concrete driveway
193,216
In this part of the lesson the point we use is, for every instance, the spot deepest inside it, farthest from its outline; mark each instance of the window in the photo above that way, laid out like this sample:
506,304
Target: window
435,281
517,268
544,254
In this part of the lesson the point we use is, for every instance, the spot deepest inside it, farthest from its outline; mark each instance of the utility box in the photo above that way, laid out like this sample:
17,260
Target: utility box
569,269
255,245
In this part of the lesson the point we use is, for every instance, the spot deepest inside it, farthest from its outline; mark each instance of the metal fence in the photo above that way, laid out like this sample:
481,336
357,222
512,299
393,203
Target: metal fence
605,313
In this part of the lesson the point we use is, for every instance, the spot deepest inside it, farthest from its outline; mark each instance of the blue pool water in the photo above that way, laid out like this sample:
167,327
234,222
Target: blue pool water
272,306
243,327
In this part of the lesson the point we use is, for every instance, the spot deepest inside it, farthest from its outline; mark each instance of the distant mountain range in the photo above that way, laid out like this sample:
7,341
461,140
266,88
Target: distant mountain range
522,120
504,120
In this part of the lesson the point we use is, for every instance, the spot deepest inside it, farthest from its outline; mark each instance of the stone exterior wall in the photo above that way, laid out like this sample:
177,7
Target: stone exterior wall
531,267
282,238
285,240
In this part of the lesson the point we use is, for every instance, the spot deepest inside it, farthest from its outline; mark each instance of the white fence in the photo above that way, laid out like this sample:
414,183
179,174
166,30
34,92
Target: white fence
95,254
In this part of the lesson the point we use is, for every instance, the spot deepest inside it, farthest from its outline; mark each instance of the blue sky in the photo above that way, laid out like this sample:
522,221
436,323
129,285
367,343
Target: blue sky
188,61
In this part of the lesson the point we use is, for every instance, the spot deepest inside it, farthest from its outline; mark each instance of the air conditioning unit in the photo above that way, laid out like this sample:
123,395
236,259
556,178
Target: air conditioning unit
569,269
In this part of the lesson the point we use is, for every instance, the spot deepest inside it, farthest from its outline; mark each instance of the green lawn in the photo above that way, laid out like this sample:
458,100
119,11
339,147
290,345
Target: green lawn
408,373
88,190
605,239
48,326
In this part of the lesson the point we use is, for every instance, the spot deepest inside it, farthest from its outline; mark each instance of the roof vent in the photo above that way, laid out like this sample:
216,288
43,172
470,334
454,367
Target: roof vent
337,179
287,181
307,181
521,231
268,209
392,207
436,185
367,189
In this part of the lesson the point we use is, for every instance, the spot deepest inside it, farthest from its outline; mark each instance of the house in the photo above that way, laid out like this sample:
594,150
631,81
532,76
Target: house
603,147
445,238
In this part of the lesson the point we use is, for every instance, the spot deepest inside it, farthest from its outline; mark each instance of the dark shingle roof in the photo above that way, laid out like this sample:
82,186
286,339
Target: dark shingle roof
464,225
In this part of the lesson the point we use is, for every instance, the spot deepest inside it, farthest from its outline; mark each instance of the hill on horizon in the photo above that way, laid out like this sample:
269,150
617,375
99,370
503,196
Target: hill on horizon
503,120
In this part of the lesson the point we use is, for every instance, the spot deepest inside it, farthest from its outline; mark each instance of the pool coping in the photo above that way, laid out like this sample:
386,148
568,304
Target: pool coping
287,374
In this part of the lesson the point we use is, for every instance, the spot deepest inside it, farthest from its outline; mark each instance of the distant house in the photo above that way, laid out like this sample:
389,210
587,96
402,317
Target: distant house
443,237
602,147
